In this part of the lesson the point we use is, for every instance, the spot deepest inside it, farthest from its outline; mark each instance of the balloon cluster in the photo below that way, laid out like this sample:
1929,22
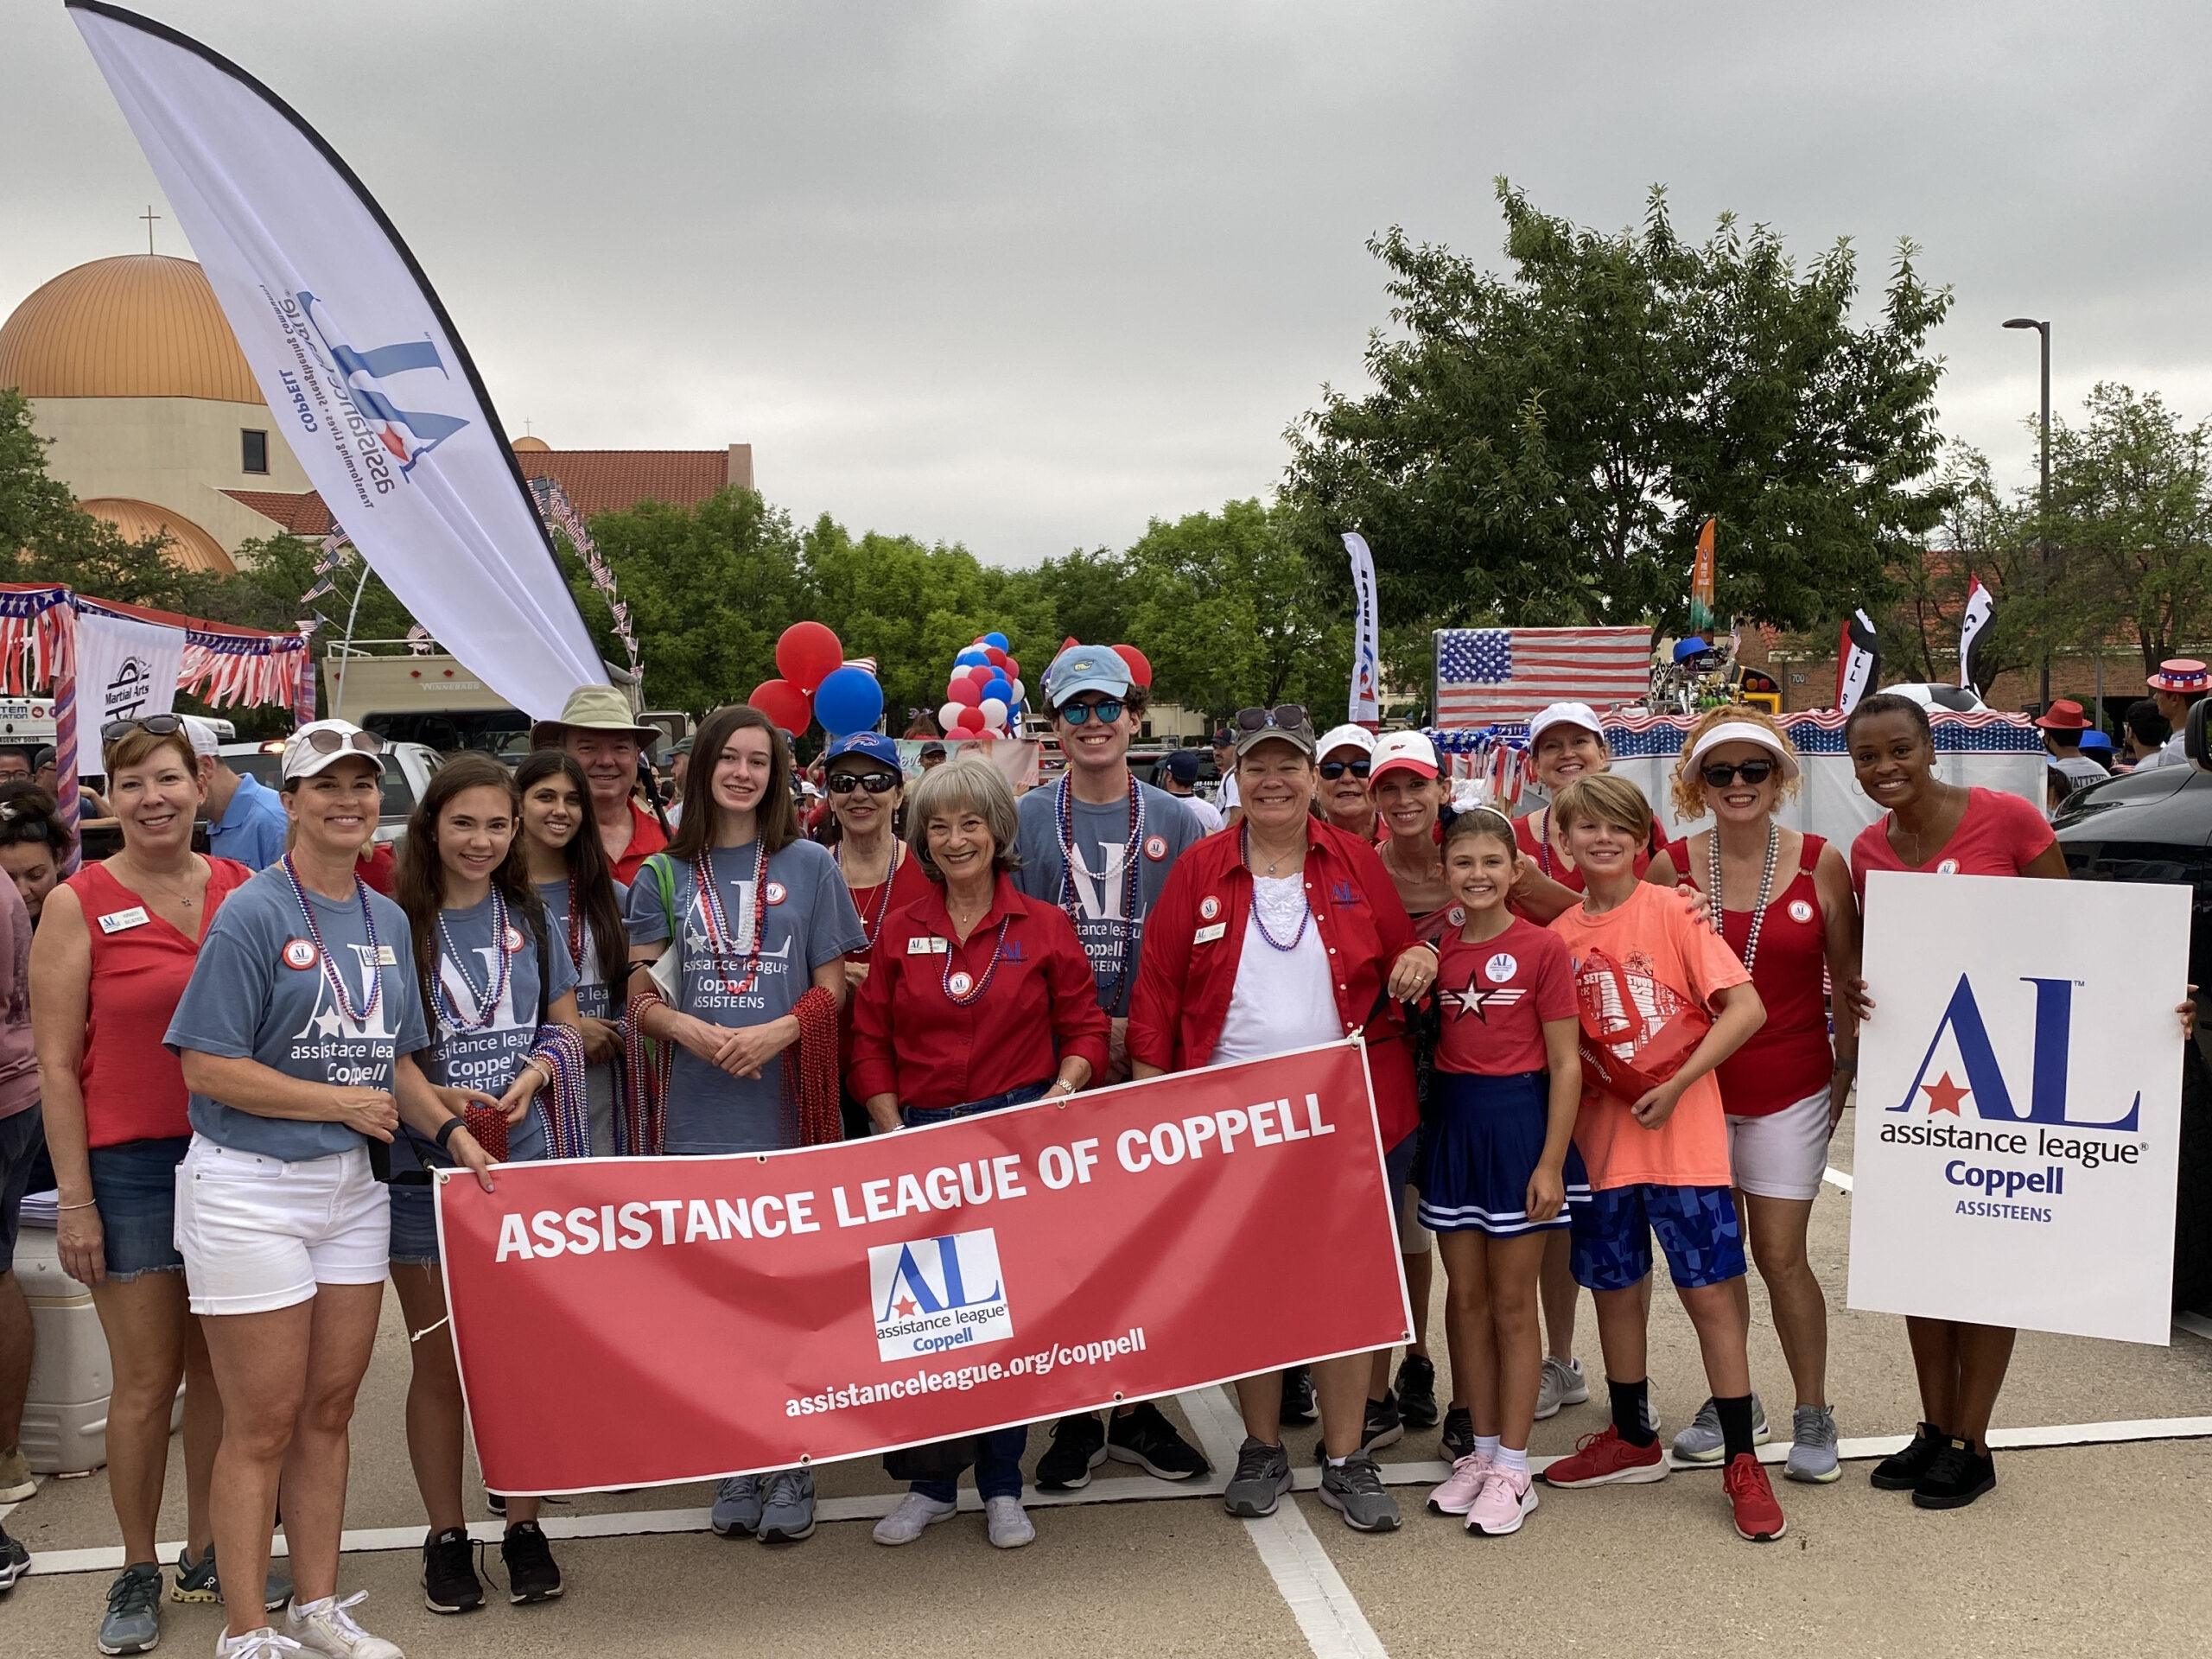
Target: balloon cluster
985,694
818,683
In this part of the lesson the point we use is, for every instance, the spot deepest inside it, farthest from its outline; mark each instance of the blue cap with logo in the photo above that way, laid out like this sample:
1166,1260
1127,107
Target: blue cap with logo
1085,668
875,745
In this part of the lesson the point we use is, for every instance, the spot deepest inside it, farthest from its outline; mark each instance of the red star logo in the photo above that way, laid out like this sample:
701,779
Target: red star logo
904,1307
1944,1095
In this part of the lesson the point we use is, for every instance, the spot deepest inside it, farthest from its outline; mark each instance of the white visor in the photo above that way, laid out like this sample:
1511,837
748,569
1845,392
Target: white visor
1742,731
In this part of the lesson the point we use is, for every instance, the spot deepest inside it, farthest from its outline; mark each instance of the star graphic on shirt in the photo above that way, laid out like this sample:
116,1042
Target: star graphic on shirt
1944,1095
1469,1000
904,1307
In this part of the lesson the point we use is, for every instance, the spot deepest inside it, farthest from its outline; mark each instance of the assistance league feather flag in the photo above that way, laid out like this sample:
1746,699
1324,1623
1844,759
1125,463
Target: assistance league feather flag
360,365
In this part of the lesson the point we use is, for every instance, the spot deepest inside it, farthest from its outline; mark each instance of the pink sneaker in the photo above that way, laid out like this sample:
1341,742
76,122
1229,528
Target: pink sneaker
1458,1493
1505,1500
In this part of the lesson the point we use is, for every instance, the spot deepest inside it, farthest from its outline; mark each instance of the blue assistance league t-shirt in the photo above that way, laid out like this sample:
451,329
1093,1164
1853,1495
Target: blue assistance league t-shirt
461,1056
595,998
1111,938
260,992
809,920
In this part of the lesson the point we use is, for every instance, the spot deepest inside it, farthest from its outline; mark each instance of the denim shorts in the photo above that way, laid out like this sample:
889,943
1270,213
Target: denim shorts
917,1117
414,1227
23,1137
1697,1229
134,1183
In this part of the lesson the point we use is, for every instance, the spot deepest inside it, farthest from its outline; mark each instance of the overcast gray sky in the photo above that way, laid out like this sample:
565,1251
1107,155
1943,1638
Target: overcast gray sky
1025,275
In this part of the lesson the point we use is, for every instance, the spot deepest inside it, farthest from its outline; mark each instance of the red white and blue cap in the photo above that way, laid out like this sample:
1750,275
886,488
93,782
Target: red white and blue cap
2181,674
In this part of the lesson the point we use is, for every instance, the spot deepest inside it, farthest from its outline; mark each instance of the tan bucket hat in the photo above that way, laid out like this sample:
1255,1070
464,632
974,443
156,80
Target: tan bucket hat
592,709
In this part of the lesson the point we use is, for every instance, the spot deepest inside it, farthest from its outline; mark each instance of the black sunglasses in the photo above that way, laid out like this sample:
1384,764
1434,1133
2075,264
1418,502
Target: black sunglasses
1077,713
152,725
16,827
1333,769
1720,774
1283,716
876,782
323,741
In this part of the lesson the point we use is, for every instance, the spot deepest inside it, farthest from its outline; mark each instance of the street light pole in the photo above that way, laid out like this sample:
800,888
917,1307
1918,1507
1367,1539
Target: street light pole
2043,533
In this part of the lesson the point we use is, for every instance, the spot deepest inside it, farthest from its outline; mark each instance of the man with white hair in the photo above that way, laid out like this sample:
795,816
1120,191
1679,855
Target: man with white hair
245,821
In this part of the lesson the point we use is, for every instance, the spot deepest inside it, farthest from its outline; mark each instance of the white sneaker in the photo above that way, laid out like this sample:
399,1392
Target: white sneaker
1010,1523
915,1514
264,1643
328,1627
1563,1384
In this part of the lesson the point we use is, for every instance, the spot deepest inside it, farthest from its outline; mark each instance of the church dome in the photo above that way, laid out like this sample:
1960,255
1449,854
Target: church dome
189,547
533,447
141,325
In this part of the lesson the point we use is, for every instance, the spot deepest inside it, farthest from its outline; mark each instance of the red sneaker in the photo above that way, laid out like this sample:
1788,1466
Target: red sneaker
1758,1517
1604,1459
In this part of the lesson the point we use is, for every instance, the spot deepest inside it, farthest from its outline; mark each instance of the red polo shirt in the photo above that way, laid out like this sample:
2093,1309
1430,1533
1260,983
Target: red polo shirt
646,840
912,1040
1183,986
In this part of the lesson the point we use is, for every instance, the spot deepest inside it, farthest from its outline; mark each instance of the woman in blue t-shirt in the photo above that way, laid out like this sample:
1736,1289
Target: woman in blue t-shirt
759,921
490,978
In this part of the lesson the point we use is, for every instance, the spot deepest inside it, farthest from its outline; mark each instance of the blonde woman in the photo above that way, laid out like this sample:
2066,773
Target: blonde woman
1782,901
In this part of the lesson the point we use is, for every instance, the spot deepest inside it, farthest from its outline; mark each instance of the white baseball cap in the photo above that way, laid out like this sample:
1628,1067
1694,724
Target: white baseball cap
1565,714
1407,752
1346,737
322,744
204,739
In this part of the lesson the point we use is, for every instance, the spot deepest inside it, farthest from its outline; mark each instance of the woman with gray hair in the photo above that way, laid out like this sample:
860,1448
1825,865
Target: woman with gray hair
979,999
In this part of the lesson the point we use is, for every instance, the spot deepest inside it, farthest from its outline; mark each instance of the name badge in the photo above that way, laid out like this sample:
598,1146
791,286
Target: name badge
932,946
386,957
116,921
1208,935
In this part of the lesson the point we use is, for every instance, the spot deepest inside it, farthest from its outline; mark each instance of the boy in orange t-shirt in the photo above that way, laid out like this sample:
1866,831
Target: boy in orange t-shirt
1659,1162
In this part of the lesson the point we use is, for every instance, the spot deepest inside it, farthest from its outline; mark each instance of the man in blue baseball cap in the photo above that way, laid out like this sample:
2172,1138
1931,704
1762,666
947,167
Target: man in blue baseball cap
1099,844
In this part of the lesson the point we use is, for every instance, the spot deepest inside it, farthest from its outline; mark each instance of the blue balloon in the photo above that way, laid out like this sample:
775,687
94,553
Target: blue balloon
971,658
999,687
998,639
848,700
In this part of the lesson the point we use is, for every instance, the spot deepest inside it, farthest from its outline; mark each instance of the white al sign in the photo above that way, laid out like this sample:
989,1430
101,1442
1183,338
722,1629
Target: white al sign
2019,1103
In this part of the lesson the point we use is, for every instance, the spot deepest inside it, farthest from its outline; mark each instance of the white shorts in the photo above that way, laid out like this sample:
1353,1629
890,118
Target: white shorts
1782,1154
258,1234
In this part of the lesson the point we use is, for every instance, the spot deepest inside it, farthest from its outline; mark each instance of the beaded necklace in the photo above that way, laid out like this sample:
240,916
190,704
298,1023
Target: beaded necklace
487,1001
944,975
1124,926
1305,911
1766,890
575,927
329,969
719,943
872,930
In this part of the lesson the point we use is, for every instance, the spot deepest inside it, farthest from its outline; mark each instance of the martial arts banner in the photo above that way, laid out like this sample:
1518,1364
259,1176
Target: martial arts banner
1367,637
715,1316
126,669
361,367
2019,1103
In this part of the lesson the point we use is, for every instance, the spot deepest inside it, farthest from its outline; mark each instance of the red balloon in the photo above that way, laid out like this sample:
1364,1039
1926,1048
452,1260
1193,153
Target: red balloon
807,654
971,721
997,657
1013,671
964,691
784,703
1140,665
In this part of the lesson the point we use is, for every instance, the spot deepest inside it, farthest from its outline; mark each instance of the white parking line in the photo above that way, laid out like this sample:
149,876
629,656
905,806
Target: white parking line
1836,1177
2196,1323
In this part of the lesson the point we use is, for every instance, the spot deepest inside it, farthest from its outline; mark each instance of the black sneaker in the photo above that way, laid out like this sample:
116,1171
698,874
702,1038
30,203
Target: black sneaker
1459,1434
495,1502
1417,1390
1079,1447
531,1575
1298,1402
1901,1471
1147,1439
1959,1475
14,1559
449,1581
1384,1425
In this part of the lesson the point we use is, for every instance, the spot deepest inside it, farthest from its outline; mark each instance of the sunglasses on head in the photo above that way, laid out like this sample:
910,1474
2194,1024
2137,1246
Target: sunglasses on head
1720,774
1333,769
323,741
152,725
876,782
1077,713
21,826
1283,715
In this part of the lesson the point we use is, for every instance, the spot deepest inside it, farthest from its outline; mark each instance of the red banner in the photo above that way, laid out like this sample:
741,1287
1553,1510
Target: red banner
628,1322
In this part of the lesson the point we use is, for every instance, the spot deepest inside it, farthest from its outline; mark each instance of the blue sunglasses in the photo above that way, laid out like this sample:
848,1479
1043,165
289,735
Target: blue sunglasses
1078,714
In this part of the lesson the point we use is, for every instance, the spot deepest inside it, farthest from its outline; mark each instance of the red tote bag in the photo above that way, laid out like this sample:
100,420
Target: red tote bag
1629,1048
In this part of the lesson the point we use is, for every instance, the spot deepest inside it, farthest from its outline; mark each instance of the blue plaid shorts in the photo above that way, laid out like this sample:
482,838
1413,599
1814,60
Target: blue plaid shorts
1697,1228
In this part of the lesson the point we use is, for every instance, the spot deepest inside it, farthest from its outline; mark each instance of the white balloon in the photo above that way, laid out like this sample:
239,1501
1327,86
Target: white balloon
949,716
1020,693
995,712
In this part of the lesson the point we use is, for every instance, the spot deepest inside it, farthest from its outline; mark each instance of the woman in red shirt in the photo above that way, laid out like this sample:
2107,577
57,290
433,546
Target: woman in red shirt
1782,901
982,999
866,789
101,998
1287,934
1948,831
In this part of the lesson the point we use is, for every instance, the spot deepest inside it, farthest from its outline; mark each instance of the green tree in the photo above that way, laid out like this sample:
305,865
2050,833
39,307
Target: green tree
1542,448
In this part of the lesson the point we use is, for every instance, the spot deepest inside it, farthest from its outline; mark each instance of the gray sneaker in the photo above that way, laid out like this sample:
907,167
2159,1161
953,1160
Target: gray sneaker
1812,1452
1563,1384
1354,1490
737,1507
787,1506
1703,1441
196,1581
1262,1476
133,1621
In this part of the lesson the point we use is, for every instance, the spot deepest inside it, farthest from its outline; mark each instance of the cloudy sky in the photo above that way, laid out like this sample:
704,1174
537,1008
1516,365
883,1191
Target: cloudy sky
1025,275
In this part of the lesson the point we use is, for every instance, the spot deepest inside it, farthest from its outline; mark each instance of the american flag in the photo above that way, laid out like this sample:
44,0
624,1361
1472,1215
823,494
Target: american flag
1487,675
